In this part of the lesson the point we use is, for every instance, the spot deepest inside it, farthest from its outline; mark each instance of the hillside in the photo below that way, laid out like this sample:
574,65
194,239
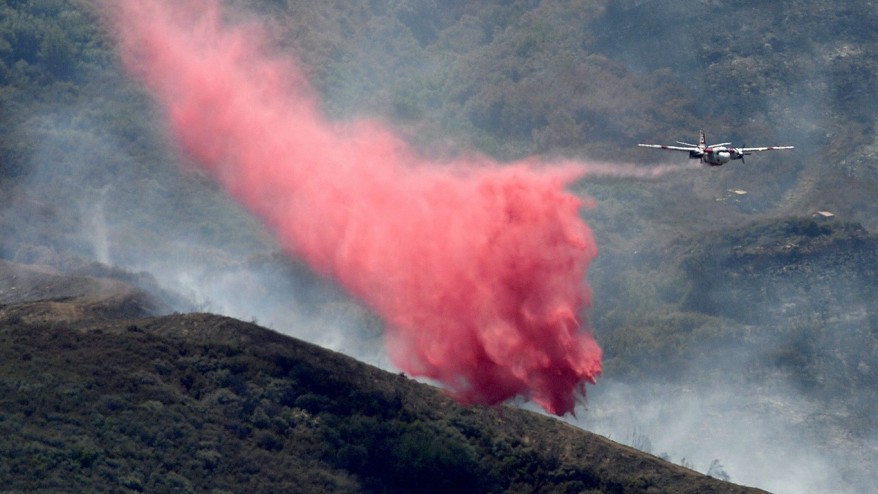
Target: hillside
767,331
792,296
198,402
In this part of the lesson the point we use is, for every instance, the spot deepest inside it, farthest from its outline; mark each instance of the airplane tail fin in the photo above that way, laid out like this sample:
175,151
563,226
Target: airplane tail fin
702,141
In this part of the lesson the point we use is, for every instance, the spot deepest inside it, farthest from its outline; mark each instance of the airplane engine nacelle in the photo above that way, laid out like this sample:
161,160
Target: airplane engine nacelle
694,155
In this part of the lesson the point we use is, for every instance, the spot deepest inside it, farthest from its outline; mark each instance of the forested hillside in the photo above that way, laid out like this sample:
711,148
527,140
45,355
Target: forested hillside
112,400
715,285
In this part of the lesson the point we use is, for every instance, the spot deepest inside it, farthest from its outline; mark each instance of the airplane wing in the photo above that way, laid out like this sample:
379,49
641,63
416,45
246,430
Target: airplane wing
672,148
769,148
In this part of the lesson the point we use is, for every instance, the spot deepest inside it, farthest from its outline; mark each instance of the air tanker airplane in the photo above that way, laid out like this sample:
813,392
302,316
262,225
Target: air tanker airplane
715,154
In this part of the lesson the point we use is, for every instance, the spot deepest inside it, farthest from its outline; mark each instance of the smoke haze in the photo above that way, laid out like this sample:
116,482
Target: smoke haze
87,196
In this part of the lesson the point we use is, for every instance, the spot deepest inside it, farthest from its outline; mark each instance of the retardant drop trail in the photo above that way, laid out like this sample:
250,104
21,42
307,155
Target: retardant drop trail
478,269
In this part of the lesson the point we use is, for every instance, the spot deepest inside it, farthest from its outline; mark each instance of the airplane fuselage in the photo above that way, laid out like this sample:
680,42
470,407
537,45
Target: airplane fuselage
716,156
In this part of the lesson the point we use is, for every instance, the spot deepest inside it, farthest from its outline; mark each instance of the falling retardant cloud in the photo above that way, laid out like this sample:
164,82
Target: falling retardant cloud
477,269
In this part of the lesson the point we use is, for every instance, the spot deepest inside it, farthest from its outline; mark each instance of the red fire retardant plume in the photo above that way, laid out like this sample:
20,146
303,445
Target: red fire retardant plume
478,269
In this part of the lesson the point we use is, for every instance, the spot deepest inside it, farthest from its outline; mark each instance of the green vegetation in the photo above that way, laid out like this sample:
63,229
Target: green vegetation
200,403
50,51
